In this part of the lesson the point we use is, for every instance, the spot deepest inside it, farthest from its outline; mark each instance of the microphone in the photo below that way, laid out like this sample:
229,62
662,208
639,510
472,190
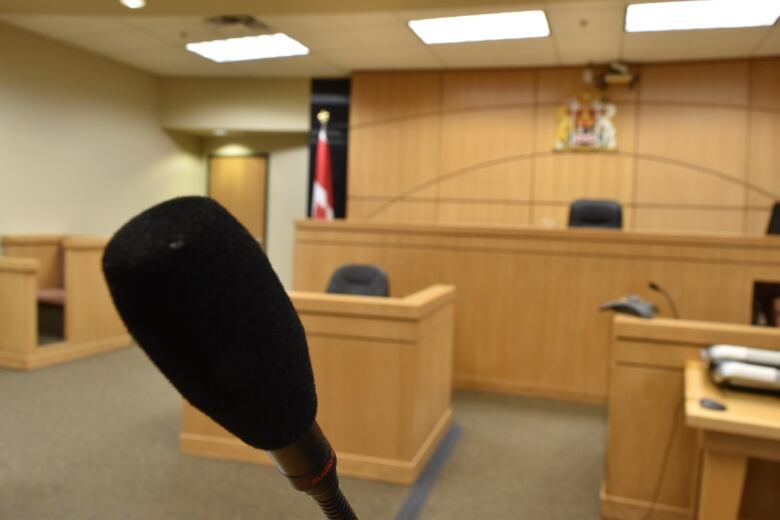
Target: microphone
200,298
657,288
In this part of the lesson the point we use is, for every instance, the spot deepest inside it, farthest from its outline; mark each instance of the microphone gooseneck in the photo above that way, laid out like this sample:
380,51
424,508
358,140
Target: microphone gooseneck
657,288
200,298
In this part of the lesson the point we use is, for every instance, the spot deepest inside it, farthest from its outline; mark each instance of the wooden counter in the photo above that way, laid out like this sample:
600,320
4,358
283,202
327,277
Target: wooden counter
527,319
383,371
652,459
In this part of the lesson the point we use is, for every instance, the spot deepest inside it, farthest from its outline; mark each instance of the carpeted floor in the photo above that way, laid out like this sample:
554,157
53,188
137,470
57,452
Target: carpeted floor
98,439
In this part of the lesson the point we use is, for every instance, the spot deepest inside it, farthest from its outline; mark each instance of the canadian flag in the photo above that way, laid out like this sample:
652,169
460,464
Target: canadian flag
322,189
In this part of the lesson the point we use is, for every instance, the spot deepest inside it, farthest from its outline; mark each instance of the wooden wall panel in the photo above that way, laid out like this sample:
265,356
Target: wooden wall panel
407,210
704,137
507,180
480,88
756,221
673,184
764,156
378,96
47,249
471,138
719,83
389,159
765,80
692,219
565,177
692,137
490,212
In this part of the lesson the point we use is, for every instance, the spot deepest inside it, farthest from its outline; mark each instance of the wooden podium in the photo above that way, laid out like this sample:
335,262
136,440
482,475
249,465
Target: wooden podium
383,370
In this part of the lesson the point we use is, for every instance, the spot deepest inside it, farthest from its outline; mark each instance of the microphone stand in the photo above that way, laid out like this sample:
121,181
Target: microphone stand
657,288
310,465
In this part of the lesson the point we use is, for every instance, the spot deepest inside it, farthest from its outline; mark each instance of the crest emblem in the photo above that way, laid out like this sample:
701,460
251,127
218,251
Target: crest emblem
586,122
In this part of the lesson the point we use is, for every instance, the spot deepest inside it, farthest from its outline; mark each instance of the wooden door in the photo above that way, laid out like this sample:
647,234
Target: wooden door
239,184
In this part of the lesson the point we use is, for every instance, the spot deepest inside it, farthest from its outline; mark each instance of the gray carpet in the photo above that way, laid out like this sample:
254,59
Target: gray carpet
98,439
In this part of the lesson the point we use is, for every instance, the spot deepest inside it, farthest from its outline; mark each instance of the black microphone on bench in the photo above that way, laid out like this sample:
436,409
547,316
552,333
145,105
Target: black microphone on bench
201,299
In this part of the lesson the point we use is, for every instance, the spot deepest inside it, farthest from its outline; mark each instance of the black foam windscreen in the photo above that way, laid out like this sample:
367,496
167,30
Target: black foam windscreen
199,296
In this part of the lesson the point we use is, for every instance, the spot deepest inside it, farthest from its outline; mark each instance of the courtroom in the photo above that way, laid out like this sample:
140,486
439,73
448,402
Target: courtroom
390,260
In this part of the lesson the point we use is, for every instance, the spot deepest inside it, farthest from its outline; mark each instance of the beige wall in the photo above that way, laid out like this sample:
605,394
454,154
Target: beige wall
82,145
257,105
288,178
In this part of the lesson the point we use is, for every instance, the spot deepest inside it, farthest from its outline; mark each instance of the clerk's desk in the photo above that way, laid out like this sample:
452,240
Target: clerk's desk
527,320
646,416
748,428
383,372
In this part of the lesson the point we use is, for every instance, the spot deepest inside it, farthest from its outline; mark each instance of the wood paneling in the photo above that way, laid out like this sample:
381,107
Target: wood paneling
699,137
18,311
383,369
239,184
674,185
690,219
390,159
477,137
691,136
89,310
490,212
766,84
717,83
567,176
47,249
92,325
527,319
515,176
764,156
646,417
378,96
488,88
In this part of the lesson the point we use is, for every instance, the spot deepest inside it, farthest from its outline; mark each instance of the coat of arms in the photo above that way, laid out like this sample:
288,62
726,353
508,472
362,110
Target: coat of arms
585,122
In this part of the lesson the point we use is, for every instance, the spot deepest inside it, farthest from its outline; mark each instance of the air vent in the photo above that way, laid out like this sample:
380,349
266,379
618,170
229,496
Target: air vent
238,21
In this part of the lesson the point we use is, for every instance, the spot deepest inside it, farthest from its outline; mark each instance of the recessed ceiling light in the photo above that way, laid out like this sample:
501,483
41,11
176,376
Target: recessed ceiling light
482,27
133,4
701,14
249,48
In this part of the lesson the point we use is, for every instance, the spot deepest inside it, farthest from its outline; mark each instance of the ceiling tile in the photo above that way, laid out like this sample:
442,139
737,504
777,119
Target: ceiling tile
575,49
123,40
690,45
52,26
383,57
586,18
327,22
358,36
535,51
298,66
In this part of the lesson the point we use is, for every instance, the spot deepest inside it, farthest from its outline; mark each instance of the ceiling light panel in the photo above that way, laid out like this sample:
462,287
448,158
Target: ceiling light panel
249,48
701,14
482,27
133,4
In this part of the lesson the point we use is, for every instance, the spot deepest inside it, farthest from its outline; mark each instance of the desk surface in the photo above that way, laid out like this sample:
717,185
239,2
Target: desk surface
748,414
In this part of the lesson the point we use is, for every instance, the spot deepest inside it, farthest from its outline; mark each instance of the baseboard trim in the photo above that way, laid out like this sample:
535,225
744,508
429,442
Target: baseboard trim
349,464
65,352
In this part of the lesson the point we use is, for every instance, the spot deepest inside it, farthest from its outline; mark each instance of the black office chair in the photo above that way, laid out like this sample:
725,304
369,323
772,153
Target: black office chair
774,221
595,214
360,279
